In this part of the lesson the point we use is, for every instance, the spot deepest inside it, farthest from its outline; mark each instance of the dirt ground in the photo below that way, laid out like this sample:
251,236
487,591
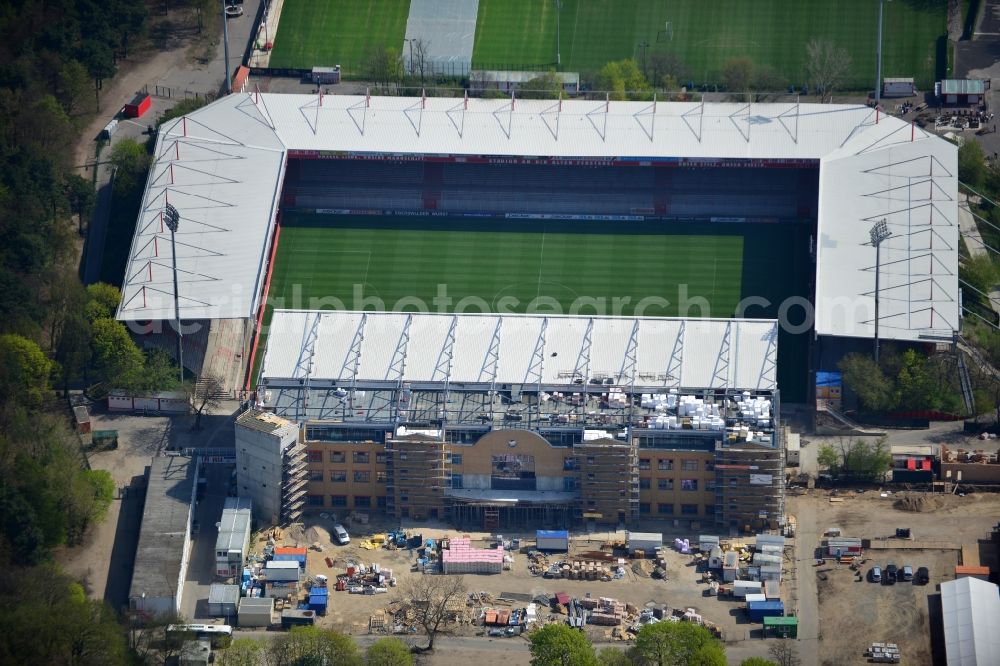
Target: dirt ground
853,613
683,588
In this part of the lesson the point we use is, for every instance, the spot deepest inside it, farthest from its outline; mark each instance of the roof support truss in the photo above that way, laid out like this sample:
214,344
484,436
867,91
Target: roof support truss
676,362
720,375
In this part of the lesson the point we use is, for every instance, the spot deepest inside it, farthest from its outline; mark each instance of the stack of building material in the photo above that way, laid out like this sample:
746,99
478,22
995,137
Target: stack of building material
605,611
461,558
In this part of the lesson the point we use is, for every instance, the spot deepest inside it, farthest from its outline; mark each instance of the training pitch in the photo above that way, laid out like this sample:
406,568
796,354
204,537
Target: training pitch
707,34
324,33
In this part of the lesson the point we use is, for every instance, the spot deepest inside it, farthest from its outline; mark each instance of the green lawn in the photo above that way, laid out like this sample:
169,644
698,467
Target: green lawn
331,262
517,33
323,33
394,262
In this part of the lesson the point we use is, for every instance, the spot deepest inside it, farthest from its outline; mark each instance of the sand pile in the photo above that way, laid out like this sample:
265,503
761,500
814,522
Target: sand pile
917,503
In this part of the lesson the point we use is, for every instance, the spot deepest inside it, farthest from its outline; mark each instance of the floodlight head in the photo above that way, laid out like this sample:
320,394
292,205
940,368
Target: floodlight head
879,232
171,217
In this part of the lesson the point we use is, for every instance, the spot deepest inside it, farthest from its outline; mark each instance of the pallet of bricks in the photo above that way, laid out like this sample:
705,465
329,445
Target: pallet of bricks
605,610
585,570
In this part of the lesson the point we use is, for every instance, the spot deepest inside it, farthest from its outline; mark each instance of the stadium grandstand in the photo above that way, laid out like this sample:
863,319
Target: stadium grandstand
626,394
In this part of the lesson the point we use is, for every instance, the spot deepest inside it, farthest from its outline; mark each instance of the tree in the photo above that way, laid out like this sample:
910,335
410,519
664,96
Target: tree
86,502
757,661
385,67
827,66
243,652
74,84
827,457
99,60
981,274
867,381
561,645
181,108
622,79
24,370
420,59
388,652
308,646
434,599
102,301
972,164
131,162
861,460
117,360
667,70
737,74
205,395
767,81
673,643
545,86
784,654
80,195
610,656
917,387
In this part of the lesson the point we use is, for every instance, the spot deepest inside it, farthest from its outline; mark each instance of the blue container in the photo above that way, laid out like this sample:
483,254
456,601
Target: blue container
758,610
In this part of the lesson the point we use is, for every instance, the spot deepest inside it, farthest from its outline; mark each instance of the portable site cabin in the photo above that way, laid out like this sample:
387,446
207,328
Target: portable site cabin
843,546
297,618
756,596
552,540
761,559
898,87
223,600
282,571
770,572
783,627
647,542
715,558
793,448
707,542
730,566
961,91
772,589
742,588
255,612
770,540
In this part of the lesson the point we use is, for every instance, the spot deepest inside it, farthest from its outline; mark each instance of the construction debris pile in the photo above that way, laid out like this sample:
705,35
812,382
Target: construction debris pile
365,579
883,653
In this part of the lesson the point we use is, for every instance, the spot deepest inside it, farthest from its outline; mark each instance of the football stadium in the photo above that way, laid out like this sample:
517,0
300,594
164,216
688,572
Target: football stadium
533,298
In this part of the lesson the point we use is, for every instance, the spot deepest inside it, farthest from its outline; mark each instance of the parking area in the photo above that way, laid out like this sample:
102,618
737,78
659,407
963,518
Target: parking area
853,611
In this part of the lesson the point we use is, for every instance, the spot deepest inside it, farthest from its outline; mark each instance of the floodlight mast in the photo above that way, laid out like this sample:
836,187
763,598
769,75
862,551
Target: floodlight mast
172,218
879,233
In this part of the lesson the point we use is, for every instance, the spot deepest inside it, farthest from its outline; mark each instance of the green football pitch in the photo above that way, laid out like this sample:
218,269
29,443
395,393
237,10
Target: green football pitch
324,33
555,266
511,34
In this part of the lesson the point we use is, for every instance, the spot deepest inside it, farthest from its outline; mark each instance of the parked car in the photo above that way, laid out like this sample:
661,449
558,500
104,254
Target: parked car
875,574
906,573
890,574
923,576
341,535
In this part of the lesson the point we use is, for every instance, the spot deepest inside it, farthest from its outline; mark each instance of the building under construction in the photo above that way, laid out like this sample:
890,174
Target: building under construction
498,421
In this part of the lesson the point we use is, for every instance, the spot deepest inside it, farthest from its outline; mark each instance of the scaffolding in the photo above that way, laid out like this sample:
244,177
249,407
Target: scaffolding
418,470
294,479
750,485
608,481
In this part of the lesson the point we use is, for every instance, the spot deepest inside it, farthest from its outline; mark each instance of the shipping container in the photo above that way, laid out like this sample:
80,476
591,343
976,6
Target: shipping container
223,600
647,542
554,540
758,610
321,75
902,87
282,571
138,106
297,618
301,559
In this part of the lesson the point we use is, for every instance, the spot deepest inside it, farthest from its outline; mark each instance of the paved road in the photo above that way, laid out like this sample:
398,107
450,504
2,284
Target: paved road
807,602
201,564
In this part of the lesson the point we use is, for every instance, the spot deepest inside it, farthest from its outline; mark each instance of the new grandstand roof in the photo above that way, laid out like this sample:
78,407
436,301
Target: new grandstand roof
372,349
223,165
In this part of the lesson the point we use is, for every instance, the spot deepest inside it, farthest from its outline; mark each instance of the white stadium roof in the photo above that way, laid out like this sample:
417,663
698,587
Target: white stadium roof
223,168
970,611
479,350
